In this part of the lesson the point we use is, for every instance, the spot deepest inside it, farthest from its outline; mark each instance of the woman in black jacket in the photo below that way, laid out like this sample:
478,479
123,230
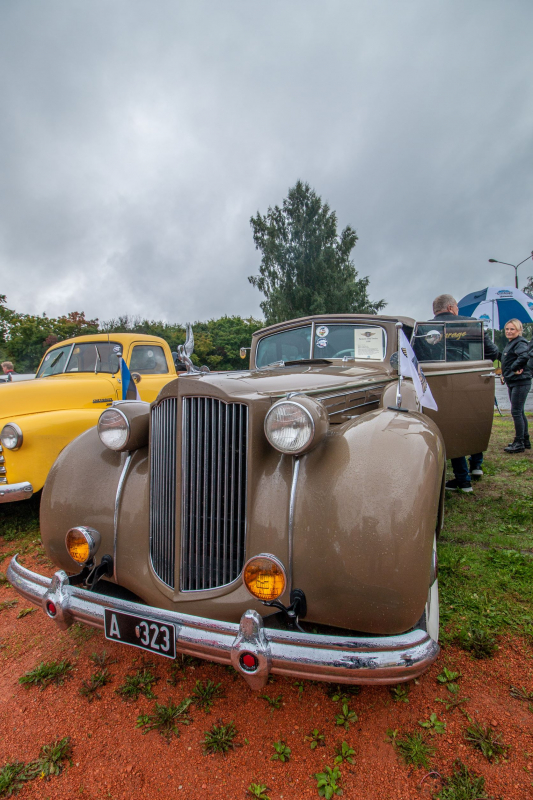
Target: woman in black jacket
517,375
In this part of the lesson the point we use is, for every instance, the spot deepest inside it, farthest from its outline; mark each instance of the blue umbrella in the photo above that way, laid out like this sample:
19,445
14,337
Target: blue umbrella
497,305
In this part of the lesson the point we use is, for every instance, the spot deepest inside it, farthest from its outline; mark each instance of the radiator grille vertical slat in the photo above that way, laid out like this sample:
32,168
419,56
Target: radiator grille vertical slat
163,489
214,475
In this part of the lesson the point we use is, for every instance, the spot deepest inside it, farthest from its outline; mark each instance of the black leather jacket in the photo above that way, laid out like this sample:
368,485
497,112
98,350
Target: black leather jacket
514,357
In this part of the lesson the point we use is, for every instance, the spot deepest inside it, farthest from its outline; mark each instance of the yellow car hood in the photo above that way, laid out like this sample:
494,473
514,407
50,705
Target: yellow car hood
56,394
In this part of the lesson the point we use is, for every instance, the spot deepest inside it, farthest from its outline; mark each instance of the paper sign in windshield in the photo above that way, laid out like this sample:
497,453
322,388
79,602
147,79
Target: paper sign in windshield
368,343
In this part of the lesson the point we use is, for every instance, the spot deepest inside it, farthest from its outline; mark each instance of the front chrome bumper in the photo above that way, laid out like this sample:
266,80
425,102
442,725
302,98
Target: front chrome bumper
11,492
339,659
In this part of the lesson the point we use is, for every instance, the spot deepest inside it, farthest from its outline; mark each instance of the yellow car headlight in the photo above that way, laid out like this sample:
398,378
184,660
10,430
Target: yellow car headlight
82,544
11,436
264,577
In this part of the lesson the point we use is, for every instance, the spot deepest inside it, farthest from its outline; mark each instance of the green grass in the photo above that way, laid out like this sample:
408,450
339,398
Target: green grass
20,521
486,549
140,683
166,719
463,785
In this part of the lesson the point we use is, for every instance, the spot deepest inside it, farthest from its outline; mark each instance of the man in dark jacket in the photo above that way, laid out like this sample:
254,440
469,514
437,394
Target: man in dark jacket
445,308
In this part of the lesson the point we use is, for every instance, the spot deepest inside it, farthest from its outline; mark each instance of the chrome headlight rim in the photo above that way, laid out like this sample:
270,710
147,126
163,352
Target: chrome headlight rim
308,444
114,410
18,434
92,538
277,562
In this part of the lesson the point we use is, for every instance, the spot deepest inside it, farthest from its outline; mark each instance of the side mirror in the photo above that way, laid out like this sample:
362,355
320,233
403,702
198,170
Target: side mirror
242,351
433,337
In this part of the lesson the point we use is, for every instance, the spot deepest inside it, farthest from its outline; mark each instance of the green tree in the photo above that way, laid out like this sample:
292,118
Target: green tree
305,264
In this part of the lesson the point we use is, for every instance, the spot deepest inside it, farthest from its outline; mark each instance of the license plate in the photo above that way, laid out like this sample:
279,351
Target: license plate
140,632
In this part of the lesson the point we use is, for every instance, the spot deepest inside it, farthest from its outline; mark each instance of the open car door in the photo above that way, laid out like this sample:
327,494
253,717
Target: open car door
461,380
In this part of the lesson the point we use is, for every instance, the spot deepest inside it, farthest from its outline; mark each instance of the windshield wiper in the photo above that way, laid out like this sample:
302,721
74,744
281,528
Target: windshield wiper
318,361
56,359
98,359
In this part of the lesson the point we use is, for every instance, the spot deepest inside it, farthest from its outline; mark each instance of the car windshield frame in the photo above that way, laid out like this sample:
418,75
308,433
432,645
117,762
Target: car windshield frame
315,350
96,366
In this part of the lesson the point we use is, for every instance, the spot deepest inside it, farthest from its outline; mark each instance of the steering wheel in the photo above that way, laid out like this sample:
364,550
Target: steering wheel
348,352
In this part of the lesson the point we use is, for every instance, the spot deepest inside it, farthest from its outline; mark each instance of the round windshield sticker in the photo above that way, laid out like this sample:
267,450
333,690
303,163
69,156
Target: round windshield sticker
116,348
47,357
322,331
322,343
150,353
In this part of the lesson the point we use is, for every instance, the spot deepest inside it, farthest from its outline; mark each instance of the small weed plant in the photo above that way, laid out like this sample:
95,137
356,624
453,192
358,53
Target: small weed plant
344,753
400,693
521,694
220,739
52,759
166,719
47,672
273,702
12,776
258,790
89,689
179,666
339,693
205,694
477,641
433,725
283,752
486,740
448,676
412,748
463,785
315,739
346,717
299,686
24,612
8,604
140,683
327,782
102,659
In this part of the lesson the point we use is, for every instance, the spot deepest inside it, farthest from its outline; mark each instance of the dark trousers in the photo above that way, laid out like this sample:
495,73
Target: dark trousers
518,395
460,467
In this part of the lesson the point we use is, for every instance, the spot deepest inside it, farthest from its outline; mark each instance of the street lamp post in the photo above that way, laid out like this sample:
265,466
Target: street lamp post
514,266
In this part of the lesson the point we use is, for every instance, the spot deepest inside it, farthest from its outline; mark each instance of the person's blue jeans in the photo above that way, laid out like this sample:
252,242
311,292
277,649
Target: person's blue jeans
460,466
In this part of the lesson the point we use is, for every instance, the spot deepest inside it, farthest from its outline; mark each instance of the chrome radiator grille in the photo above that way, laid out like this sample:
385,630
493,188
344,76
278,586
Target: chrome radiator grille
213,505
163,489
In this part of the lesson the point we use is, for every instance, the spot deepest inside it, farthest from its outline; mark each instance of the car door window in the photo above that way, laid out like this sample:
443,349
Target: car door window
148,359
448,341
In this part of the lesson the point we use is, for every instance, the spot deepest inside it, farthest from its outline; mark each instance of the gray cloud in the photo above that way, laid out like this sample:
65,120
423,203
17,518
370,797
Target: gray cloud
137,139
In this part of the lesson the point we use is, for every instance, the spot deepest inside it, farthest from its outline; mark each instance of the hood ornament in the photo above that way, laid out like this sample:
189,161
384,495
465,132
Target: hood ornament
185,352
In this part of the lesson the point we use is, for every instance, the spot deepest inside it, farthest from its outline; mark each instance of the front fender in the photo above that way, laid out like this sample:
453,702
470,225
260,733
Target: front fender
365,514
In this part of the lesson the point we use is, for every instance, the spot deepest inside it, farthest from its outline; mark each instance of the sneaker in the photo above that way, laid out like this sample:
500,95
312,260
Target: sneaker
476,473
458,486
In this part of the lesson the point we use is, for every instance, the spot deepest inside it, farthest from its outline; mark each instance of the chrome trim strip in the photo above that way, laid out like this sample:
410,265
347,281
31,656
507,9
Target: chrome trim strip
292,502
11,492
364,388
342,659
163,458
117,508
451,371
351,408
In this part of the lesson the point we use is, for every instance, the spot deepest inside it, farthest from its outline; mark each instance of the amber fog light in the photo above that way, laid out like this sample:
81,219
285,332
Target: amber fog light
264,577
82,544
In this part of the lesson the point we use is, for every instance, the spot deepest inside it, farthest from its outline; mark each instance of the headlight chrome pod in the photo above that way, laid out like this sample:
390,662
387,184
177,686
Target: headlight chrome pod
264,577
11,436
296,425
125,428
82,544
113,429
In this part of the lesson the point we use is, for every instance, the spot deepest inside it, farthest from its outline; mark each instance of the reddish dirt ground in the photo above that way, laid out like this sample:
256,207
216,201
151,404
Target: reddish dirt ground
112,759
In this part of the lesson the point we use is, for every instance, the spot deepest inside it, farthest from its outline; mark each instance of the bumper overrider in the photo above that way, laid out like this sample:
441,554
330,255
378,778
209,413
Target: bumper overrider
12,492
339,659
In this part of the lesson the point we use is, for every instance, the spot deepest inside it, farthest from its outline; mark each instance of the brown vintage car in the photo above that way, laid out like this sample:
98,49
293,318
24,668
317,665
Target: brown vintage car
281,518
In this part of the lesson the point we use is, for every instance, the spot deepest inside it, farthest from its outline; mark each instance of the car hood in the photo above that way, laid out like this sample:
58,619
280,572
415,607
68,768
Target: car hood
278,381
55,394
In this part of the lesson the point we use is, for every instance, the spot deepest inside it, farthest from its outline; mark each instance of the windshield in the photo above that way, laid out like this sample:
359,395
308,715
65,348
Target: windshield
361,342
83,357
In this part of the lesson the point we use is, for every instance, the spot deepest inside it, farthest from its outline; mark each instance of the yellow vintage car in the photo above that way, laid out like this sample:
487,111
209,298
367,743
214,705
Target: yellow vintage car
76,380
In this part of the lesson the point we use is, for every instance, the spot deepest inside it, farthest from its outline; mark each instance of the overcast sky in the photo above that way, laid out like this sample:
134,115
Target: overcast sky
137,137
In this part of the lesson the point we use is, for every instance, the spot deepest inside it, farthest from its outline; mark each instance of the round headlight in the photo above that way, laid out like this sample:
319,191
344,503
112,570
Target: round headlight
11,436
113,429
82,544
289,427
264,577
